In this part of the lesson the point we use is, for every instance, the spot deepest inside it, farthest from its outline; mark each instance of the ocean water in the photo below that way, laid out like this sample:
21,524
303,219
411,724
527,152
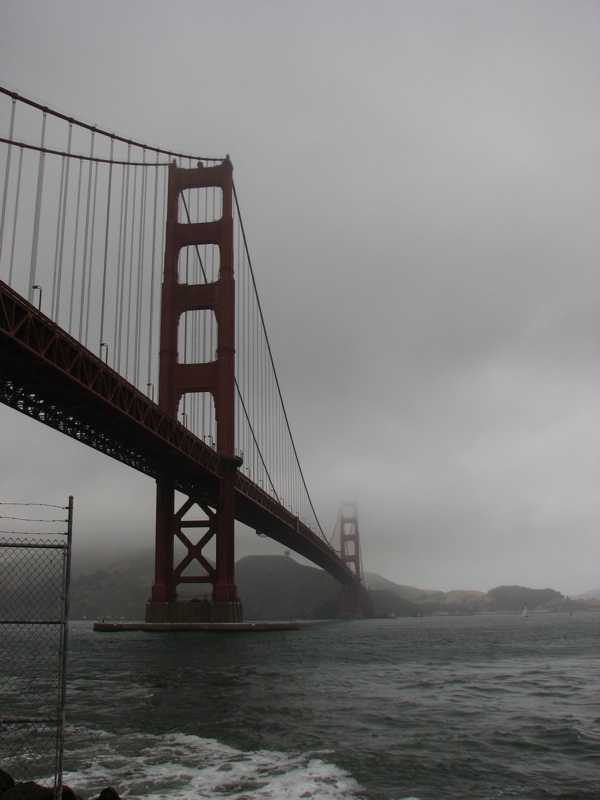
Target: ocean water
430,708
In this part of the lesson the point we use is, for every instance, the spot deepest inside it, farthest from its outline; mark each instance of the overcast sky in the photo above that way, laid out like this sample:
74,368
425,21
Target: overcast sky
418,181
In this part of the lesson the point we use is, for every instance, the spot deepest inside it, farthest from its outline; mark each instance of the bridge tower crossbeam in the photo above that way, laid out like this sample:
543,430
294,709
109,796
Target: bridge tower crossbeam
216,377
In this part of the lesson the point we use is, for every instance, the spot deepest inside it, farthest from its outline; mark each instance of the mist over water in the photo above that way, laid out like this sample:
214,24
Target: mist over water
446,707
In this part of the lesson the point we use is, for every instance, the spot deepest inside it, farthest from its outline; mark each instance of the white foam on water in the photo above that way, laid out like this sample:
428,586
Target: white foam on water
186,767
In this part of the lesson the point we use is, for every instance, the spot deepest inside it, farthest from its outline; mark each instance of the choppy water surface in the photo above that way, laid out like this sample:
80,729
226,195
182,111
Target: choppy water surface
447,707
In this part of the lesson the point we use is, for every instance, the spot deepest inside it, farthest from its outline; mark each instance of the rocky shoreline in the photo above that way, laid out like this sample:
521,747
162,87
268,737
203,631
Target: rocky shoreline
28,790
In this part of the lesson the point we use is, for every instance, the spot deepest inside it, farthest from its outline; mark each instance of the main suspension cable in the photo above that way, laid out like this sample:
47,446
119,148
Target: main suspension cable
109,134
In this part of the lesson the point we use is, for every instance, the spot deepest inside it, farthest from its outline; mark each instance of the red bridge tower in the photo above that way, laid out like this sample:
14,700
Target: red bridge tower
215,520
350,555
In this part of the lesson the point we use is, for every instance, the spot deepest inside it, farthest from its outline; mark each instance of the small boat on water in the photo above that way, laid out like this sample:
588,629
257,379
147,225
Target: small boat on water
525,613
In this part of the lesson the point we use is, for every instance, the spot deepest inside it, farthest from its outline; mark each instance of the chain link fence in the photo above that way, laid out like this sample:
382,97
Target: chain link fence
35,558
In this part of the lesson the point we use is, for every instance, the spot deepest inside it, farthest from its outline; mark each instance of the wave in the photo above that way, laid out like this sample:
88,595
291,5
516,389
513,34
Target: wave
181,766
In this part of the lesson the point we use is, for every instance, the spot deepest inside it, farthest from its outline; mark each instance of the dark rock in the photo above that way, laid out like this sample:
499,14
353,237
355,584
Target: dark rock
108,794
69,794
6,781
33,791
28,791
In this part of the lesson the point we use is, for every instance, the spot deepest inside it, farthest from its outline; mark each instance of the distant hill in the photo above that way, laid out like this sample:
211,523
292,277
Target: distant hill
500,600
514,598
278,587
431,601
592,594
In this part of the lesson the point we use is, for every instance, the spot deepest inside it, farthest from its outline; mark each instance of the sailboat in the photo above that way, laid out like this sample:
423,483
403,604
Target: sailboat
525,614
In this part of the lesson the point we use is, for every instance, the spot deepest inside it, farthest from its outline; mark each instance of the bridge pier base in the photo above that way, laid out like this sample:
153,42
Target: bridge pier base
352,607
194,611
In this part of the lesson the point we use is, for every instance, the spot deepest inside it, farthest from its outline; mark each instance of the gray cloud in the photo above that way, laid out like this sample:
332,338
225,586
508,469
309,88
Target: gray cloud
418,182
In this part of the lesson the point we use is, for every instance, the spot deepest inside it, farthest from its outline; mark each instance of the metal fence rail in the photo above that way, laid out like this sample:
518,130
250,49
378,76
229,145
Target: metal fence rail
35,558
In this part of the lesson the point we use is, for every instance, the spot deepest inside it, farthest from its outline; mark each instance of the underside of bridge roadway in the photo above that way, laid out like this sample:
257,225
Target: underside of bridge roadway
51,398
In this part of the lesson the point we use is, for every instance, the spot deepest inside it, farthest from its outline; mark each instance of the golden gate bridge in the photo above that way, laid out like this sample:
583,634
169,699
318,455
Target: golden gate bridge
130,321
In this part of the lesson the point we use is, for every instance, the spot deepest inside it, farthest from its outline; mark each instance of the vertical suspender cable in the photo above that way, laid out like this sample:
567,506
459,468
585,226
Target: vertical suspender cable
91,258
58,268
241,290
7,173
61,208
140,278
257,375
106,233
183,272
15,218
84,277
38,211
117,314
130,276
152,272
75,242
210,320
120,287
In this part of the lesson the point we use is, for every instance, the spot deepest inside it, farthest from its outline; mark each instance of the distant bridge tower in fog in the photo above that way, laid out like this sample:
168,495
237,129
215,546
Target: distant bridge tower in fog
350,555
